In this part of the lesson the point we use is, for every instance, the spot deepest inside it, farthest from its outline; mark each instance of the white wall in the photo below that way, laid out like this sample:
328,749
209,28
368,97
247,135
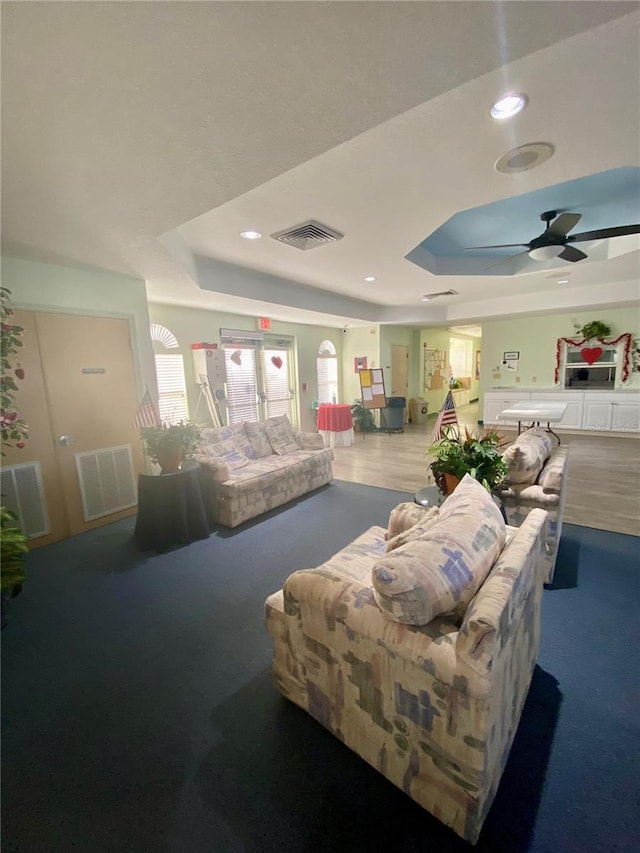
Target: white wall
357,342
48,287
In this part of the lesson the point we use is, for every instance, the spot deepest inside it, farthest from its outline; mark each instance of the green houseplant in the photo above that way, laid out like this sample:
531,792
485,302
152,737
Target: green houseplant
456,455
363,418
595,329
167,443
13,547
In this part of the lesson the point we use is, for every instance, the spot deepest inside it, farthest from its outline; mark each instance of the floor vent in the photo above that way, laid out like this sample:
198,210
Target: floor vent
308,235
106,479
23,493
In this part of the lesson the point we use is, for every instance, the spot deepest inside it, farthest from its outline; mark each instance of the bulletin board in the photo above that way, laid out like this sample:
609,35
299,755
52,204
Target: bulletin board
372,389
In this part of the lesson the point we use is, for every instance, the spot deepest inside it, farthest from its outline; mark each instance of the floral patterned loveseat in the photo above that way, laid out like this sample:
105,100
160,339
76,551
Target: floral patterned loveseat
419,658
250,468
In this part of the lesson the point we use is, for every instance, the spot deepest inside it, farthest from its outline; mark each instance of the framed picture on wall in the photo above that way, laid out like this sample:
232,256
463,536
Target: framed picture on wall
359,363
510,356
477,364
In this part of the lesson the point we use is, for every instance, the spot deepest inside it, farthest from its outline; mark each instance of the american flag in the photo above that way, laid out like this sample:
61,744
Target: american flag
446,417
147,414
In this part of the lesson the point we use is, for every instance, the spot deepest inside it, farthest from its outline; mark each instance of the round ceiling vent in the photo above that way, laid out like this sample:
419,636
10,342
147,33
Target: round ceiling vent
525,157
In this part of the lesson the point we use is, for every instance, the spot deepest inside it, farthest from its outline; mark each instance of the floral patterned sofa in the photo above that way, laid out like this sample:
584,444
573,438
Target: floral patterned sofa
250,468
416,645
537,479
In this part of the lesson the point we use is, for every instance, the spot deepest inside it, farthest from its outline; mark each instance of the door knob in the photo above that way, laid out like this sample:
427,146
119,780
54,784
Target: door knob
65,440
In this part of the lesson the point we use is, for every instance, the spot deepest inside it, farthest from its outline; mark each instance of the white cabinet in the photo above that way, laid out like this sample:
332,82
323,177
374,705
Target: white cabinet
461,397
572,418
497,401
612,412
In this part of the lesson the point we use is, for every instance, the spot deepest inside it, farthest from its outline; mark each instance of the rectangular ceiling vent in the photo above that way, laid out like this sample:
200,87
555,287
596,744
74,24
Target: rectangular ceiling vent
428,296
308,235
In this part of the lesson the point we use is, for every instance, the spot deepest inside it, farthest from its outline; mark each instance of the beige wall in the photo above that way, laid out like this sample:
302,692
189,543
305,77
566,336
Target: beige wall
535,338
191,325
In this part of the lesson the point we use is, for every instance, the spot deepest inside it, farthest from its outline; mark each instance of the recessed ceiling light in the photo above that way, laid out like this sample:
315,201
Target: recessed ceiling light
251,235
370,278
507,106
425,299
563,281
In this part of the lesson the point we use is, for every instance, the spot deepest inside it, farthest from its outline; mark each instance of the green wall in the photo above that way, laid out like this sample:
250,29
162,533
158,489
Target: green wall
535,338
194,325
48,287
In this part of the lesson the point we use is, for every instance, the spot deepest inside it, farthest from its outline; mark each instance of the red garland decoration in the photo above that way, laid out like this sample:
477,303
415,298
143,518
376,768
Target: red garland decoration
626,336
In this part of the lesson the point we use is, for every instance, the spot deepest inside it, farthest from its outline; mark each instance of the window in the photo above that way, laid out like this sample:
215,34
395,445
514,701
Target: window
327,373
259,374
172,390
460,357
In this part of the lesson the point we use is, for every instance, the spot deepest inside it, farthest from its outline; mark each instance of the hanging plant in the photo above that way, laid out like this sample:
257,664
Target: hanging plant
595,329
14,429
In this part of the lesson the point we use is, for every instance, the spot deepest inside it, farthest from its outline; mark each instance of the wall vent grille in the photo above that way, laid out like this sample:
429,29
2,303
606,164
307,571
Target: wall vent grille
23,493
308,235
106,479
440,293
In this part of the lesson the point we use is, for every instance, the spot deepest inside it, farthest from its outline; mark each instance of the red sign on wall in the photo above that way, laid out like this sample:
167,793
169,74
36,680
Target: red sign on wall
264,323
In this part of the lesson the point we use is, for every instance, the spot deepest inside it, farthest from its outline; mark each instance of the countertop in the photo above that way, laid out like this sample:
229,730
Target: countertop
538,390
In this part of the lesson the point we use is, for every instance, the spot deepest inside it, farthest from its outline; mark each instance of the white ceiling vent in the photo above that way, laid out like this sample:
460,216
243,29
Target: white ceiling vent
308,235
429,296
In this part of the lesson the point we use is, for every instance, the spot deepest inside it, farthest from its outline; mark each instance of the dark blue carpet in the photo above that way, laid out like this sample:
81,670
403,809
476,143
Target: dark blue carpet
139,714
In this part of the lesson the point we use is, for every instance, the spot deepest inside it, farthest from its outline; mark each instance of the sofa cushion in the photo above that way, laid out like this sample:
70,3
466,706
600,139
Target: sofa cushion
552,474
281,437
258,439
427,521
440,572
226,450
241,440
404,516
525,458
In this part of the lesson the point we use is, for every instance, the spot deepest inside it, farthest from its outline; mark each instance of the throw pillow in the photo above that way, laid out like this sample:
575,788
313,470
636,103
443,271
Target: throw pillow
242,442
415,532
404,516
525,458
258,439
281,438
227,451
440,572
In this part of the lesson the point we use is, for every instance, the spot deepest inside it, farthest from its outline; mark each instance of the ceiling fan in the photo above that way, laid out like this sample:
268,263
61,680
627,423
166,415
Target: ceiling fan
555,240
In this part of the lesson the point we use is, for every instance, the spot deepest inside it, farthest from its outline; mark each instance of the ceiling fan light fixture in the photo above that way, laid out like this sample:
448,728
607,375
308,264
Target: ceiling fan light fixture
545,253
508,105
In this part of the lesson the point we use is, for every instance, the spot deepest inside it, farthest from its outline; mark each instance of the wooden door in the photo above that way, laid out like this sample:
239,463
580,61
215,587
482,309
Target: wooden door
90,383
399,373
79,398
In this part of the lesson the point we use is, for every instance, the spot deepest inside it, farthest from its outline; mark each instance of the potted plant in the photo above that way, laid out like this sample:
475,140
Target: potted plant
13,547
167,443
595,329
455,455
363,418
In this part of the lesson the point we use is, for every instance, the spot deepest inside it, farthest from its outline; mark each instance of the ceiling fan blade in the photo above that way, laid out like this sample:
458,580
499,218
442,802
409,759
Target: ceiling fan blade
603,233
562,224
502,246
570,253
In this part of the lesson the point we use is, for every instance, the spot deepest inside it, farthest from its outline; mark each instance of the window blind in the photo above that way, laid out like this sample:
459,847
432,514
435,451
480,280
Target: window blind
172,391
275,381
327,374
242,383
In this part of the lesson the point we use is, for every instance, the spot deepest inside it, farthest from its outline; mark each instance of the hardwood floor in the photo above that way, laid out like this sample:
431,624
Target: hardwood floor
603,489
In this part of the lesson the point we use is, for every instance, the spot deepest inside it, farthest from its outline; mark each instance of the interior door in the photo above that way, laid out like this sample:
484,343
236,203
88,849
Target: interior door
399,371
91,388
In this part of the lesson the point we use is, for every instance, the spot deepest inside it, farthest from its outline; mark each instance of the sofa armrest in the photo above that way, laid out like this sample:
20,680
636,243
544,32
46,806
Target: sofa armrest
551,478
309,440
514,583
217,467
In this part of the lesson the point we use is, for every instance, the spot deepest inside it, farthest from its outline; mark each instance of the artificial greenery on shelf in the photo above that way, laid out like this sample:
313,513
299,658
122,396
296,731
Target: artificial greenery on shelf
595,329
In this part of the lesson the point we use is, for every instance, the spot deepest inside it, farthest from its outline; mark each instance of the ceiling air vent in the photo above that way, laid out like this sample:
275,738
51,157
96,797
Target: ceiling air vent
429,296
308,235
